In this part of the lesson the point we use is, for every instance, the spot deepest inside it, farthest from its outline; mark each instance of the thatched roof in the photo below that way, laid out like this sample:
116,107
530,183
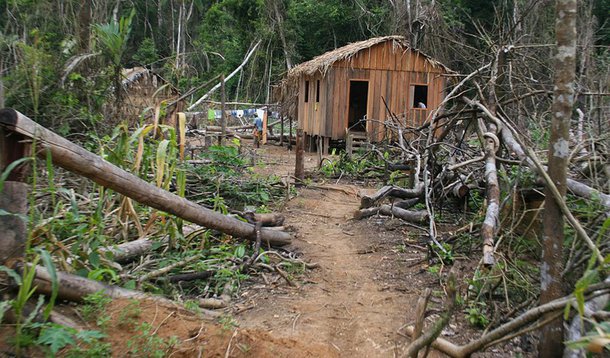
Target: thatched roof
323,62
130,76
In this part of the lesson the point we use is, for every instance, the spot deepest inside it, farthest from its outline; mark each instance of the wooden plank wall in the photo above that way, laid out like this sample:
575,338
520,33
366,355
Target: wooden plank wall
390,71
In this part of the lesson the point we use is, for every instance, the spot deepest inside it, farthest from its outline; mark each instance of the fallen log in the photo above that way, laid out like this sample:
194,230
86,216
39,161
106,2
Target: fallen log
80,161
392,191
407,203
75,288
407,215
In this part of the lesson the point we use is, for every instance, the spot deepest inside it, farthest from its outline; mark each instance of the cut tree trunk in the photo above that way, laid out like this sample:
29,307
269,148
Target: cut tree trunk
78,160
407,215
492,215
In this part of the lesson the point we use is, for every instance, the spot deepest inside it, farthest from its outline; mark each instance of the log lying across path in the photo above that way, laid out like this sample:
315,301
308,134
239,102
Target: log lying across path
80,161
75,288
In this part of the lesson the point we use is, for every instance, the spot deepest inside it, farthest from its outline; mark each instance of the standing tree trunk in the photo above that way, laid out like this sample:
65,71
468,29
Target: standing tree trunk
84,25
551,340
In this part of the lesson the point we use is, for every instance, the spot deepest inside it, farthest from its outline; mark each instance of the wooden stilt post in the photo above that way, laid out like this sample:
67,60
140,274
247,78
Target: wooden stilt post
299,168
223,116
13,197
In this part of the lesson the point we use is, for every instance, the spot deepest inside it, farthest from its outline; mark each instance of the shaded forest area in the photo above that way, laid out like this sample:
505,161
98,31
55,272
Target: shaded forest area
474,189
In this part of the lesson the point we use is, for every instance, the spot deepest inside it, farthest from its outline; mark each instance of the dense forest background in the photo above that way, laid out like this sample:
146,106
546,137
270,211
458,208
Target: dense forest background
58,59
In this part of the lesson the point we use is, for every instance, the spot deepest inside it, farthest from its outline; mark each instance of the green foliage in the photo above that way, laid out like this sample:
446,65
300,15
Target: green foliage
147,53
113,37
95,304
231,182
476,314
227,322
57,337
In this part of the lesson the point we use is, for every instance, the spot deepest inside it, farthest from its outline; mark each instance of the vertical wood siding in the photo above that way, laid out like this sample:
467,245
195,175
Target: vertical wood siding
390,72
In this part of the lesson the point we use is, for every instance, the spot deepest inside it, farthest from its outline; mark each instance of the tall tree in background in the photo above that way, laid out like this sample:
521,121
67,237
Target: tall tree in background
551,340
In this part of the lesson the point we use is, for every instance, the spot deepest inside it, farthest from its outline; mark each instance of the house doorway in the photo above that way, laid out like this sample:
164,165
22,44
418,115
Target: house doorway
358,99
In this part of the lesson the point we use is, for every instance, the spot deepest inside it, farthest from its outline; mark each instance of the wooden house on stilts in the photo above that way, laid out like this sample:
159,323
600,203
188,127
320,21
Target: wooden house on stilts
352,90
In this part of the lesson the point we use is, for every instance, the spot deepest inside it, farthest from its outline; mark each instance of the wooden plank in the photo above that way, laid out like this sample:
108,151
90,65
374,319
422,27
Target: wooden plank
80,161
328,105
394,54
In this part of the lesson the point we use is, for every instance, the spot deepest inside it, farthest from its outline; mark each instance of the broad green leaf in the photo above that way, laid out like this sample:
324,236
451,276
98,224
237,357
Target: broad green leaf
89,336
56,337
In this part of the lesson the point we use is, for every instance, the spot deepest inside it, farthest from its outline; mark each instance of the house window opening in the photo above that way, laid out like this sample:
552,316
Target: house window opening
318,91
306,91
420,96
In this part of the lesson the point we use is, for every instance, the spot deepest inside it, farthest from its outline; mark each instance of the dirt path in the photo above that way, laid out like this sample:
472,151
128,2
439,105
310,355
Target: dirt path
346,303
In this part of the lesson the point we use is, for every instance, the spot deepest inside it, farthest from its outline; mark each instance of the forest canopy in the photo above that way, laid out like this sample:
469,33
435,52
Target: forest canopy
58,69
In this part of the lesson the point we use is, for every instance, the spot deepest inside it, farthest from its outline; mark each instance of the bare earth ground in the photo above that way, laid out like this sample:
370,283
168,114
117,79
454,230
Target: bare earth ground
345,303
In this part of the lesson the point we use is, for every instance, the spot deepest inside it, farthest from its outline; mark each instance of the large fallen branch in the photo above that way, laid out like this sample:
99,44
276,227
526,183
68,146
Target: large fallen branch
75,288
80,161
407,215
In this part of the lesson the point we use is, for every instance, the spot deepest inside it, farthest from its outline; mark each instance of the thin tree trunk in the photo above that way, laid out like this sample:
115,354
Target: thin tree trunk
84,25
551,340
280,24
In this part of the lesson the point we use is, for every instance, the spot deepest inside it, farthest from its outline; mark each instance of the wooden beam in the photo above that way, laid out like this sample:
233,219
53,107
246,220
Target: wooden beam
80,161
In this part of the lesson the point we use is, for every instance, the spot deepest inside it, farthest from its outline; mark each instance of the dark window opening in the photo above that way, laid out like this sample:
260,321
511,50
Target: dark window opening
420,96
318,91
306,91
358,98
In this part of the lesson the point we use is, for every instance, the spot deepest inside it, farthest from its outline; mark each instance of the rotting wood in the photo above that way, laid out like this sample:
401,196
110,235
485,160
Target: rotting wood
80,161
